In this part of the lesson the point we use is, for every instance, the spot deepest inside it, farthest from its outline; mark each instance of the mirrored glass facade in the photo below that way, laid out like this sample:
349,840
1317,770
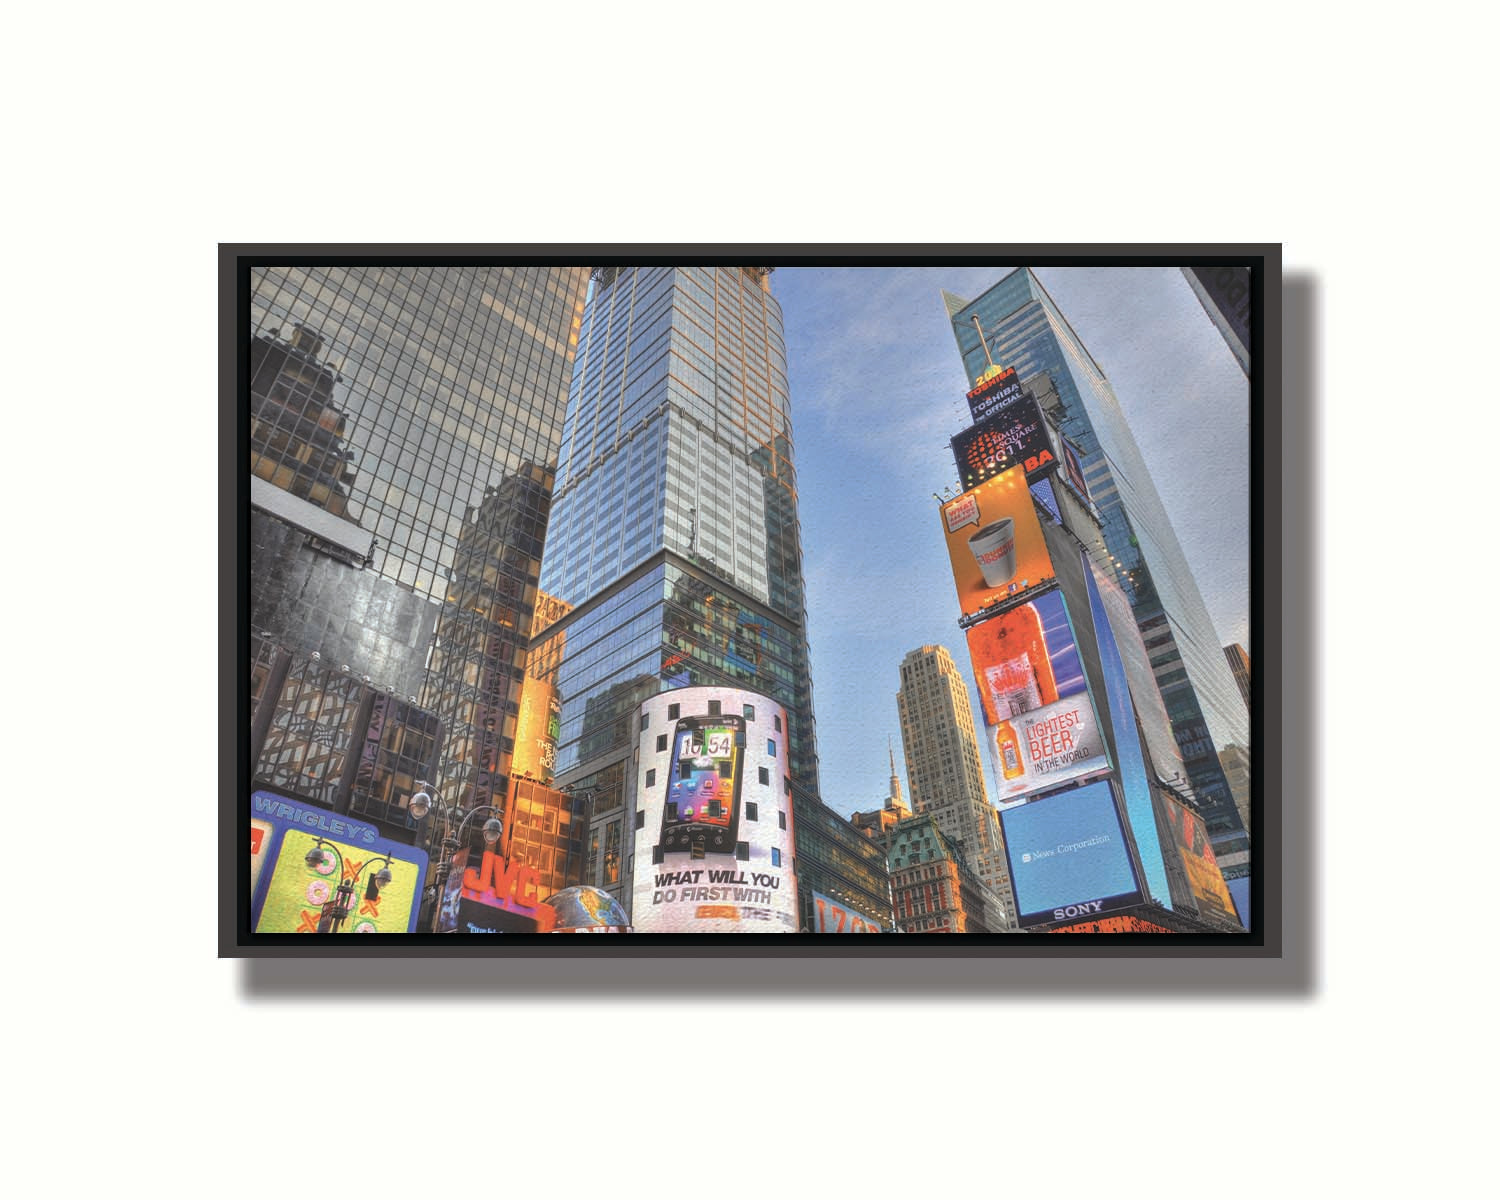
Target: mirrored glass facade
1025,330
674,530
404,429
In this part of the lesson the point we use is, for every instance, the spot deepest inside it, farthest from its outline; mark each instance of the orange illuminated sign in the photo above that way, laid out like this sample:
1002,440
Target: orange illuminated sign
1113,925
535,755
995,541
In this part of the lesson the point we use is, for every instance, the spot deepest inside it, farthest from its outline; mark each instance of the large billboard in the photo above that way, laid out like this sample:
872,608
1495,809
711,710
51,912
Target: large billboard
1068,856
995,541
1191,836
538,719
829,916
1035,699
1015,435
290,894
499,895
992,393
713,838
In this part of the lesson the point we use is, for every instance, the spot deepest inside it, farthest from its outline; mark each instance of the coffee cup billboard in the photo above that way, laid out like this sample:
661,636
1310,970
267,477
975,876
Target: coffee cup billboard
995,541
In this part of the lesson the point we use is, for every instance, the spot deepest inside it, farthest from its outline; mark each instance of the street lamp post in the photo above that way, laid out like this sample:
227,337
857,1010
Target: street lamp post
336,910
423,802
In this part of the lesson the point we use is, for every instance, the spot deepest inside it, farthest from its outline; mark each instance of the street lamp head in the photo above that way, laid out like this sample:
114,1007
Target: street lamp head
419,805
492,829
382,877
315,857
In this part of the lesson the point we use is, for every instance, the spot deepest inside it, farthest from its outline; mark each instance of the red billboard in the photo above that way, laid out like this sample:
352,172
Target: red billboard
829,916
1197,853
1035,699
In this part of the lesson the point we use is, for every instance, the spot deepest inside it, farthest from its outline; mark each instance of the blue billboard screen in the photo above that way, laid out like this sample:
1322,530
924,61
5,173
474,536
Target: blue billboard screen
1239,891
1068,856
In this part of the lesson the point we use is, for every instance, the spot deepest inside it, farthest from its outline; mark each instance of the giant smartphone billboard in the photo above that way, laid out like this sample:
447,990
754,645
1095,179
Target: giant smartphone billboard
1068,856
995,541
713,839
1035,699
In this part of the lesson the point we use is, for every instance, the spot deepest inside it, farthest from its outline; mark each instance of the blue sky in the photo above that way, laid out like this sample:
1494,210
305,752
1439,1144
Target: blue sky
878,389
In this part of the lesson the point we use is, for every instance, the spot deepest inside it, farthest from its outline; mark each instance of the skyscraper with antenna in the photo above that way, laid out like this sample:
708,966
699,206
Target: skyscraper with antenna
1016,324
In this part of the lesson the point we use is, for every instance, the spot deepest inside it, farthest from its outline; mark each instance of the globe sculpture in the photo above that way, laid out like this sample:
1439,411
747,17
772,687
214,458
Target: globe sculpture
587,910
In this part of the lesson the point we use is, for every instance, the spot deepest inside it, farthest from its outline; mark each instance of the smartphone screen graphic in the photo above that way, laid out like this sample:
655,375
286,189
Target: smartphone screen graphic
702,810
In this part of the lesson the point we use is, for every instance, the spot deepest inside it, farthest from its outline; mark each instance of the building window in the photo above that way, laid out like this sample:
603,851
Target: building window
786,784
674,711
661,741
742,851
715,708
612,853
771,747
781,819
765,775
752,813
645,721
651,777
749,712
778,724
775,857
640,818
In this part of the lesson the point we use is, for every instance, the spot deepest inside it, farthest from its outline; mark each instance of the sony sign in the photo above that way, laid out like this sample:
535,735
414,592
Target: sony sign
1087,909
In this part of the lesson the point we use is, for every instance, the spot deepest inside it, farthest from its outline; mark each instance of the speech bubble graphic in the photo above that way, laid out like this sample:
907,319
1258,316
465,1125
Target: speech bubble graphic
961,512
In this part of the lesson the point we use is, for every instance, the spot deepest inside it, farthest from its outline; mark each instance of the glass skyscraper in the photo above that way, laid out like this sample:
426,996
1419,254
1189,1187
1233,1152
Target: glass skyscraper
1023,328
404,428
674,530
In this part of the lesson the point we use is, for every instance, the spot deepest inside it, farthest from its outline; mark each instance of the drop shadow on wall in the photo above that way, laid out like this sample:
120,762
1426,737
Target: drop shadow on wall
1294,976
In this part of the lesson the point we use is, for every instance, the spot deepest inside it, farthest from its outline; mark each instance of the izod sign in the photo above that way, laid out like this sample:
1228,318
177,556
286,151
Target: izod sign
829,916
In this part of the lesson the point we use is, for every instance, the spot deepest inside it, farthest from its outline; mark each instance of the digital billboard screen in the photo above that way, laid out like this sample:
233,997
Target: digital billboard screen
713,842
995,542
1191,837
538,719
990,395
1035,699
1068,856
292,894
1015,435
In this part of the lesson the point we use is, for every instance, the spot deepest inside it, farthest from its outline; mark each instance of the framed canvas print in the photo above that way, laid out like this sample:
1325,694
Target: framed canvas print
537,554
